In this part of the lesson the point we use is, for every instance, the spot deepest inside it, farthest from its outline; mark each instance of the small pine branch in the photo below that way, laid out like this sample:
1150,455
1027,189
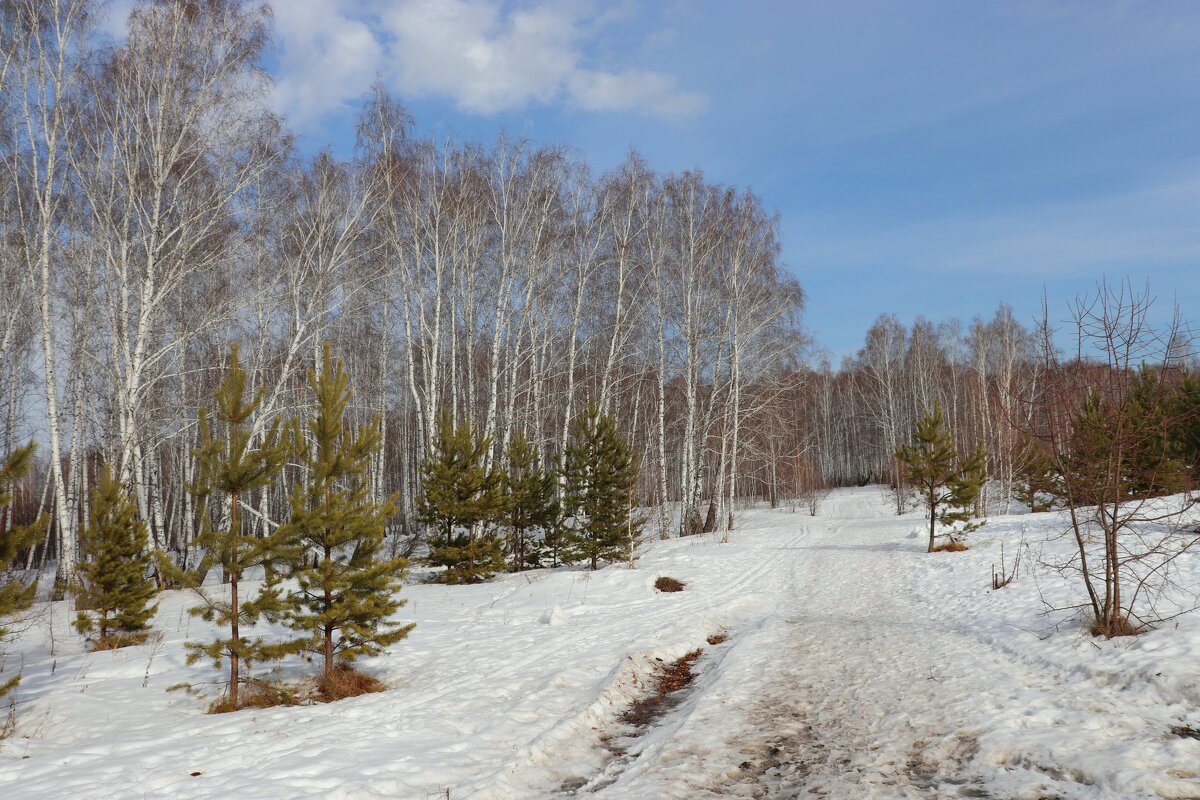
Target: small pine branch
15,595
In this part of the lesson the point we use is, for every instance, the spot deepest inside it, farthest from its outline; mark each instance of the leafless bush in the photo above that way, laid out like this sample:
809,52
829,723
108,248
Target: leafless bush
813,496
808,486
1006,576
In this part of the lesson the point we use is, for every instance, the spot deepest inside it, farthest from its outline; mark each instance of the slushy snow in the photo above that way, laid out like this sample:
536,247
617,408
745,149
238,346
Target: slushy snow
855,666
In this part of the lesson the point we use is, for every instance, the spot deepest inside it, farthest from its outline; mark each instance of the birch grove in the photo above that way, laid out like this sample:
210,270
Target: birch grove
156,211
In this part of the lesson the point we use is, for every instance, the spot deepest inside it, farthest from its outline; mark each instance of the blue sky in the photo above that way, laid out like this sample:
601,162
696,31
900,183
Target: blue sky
930,158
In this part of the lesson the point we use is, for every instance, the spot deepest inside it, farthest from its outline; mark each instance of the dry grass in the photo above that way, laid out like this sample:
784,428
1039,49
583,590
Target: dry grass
1111,629
950,547
115,641
717,638
345,682
665,584
257,694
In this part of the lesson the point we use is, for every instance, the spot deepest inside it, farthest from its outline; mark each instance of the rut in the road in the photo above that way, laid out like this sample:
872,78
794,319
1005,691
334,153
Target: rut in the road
670,687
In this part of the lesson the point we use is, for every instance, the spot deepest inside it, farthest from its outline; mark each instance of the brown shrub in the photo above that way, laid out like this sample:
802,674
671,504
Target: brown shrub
665,584
1110,629
346,681
115,641
951,547
257,694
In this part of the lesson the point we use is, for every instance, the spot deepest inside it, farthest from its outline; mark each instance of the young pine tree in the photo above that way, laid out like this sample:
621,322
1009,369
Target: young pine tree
1037,480
531,503
232,464
15,594
462,502
1156,463
600,474
1121,452
116,588
1185,425
554,546
948,486
347,593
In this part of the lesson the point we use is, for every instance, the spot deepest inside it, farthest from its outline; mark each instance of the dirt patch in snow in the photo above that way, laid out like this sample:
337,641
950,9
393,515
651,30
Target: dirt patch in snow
667,584
670,679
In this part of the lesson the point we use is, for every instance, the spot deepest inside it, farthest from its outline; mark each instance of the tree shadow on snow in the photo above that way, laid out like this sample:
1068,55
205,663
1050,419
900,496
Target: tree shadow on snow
886,547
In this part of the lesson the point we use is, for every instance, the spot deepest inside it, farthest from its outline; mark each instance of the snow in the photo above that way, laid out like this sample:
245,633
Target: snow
856,666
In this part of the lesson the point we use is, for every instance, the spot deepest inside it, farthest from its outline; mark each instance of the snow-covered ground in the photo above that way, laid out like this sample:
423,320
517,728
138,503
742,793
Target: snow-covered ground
856,666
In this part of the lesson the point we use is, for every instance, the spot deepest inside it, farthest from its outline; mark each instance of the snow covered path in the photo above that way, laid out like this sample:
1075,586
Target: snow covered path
880,678
857,666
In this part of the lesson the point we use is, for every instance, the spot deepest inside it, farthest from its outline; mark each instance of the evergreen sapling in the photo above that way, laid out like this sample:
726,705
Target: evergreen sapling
1037,479
15,595
347,593
1185,425
462,501
116,587
531,504
600,474
232,464
947,485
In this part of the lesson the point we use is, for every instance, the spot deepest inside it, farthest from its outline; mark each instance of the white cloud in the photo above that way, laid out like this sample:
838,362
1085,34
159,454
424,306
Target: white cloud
327,57
484,61
651,92
480,54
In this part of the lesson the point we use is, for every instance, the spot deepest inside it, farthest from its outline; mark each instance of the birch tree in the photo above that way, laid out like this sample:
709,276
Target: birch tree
45,41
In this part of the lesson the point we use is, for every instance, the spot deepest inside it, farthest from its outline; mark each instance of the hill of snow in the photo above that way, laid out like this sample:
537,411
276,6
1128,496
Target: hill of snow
855,666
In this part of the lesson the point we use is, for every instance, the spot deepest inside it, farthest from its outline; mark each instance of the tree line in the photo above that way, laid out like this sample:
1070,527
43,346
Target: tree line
1107,432
156,212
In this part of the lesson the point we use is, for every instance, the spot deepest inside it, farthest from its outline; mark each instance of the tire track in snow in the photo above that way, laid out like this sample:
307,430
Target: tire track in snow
692,604
841,714
819,721
894,698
